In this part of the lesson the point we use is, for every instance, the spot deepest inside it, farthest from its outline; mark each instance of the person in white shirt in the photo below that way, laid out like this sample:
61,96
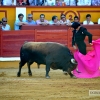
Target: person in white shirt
72,2
84,2
9,2
88,20
99,21
5,26
64,21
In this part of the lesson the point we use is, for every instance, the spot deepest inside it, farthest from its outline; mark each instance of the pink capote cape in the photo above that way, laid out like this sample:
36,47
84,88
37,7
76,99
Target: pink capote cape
89,64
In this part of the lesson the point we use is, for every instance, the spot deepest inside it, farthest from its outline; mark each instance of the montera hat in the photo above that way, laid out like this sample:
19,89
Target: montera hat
75,25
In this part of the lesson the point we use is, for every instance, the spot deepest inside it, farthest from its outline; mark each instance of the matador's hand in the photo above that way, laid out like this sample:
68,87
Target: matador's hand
91,43
74,47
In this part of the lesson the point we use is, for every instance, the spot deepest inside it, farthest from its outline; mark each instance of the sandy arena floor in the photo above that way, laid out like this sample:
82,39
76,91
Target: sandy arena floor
58,87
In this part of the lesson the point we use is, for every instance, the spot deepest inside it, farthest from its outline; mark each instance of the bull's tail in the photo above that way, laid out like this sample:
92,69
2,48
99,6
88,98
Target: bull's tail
21,54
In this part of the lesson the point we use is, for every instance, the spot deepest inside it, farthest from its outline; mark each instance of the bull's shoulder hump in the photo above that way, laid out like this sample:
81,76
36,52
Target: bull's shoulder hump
41,42
44,43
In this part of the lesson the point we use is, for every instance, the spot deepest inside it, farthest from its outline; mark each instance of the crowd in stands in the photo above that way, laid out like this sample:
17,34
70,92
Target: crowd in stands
42,21
51,2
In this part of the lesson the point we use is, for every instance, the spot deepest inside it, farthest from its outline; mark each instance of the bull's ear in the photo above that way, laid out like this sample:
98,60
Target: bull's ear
73,61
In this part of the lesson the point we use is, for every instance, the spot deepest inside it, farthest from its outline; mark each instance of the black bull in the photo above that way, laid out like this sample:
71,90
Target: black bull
53,55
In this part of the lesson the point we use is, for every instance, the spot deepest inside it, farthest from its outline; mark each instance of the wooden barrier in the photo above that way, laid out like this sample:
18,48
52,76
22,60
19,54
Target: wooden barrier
54,27
43,27
11,41
60,36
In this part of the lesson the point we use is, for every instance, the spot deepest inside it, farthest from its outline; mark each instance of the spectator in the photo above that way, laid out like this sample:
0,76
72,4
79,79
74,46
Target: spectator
94,2
64,21
20,22
19,2
42,20
0,25
5,26
36,2
9,2
1,2
30,20
32,2
88,20
76,19
50,2
22,2
99,21
73,2
84,2
54,21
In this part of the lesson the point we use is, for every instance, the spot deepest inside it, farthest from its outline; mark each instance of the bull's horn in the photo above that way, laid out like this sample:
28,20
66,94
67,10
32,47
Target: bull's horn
73,61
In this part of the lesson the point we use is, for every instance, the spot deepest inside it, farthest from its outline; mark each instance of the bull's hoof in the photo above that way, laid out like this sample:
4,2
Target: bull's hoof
18,74
47,77
78,71
30,74
65,73
74,77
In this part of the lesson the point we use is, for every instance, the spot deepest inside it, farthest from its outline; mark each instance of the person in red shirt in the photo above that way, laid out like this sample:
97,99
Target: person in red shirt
22,2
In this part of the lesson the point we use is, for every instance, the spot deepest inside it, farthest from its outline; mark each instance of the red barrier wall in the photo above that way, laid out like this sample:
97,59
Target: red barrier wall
11,41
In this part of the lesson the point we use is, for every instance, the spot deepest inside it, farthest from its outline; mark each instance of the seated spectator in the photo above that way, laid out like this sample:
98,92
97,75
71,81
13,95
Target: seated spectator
42,20
88,20
20,22
32,2
99,21
94,2
76,19
36,2
30,20
19,2
1,2
64,21
72,2
54,21
22,2
84,2
50,2
9,2
5,26
0,25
